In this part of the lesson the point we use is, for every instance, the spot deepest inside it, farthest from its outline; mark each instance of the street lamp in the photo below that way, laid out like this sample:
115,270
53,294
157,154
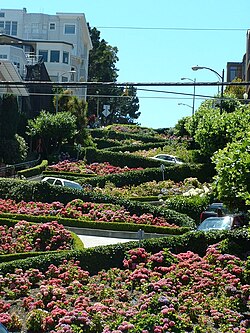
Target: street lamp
187,105
221,77
187,78
67,72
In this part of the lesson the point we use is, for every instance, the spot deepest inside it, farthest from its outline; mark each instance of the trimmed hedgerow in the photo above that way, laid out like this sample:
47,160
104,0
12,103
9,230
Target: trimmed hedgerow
67,174
110,134
36,170
104,257
119,159
41,191
87,223
176,173
136,147
106,143
192,206
201,171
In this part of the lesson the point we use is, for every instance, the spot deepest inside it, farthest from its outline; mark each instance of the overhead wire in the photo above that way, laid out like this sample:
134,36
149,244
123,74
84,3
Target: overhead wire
172,28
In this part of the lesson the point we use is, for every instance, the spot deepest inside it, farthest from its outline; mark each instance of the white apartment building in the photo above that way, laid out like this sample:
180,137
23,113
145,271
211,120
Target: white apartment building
62,41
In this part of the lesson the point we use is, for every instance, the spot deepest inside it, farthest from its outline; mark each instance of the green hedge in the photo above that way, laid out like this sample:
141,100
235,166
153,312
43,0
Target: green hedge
176,173
37,191
204,172
119,159
192,206
104,257
67,174
86,223
109,134
106,143
34,171
133,148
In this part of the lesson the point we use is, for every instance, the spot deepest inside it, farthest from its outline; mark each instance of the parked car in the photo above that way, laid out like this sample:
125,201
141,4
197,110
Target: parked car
62,182
215,209
227,222
167,158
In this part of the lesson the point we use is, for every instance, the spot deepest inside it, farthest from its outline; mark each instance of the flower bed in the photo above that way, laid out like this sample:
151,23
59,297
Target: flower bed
158,293
27,237
93,168
189,187
82,210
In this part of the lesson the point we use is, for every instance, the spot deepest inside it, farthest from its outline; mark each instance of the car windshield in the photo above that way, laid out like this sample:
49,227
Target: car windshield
215,206
223,223
73,185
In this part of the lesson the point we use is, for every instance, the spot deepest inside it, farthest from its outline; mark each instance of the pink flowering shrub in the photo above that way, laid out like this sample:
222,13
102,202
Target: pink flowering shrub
161,292
27,237
104,168
82,210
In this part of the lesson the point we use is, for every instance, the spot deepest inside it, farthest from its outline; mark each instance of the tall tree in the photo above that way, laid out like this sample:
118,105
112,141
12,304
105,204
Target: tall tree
66,102
122,101
13,148
52,130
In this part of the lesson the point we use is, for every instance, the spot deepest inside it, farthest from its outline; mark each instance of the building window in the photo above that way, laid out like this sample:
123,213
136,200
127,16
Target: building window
43,55
70,29
65,57
54,56
7,27
1,26
52,26
35,28
2,14
14,28
64,79
3,56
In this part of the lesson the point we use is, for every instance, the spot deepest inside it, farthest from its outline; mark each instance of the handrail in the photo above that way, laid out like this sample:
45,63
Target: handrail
10,170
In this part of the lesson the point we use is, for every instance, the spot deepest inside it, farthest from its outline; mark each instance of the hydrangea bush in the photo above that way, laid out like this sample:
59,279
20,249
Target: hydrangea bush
27,237
82,210
154,293
80,166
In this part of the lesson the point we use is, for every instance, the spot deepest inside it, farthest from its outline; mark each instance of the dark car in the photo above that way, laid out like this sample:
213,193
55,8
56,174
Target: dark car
213,210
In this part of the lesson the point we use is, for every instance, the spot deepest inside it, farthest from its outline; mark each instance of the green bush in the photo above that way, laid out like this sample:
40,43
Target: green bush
132,148
176,173
34,171
105,257
119,159
68,175
110,134
9,219
106,143
192,206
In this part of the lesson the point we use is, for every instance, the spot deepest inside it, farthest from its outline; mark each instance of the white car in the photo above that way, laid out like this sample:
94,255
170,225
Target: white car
62,182
167,158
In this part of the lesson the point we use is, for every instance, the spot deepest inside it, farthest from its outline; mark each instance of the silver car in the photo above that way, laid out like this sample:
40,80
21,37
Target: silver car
167,158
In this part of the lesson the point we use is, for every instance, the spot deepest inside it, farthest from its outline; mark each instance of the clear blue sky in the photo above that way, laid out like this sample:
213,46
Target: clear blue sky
163,52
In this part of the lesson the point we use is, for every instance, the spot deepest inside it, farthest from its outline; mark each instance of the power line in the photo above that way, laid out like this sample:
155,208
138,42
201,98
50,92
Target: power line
120,84
173,28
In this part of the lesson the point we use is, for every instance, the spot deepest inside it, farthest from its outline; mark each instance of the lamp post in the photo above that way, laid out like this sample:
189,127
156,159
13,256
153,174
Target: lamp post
192,80
187,105
67,72
221,77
